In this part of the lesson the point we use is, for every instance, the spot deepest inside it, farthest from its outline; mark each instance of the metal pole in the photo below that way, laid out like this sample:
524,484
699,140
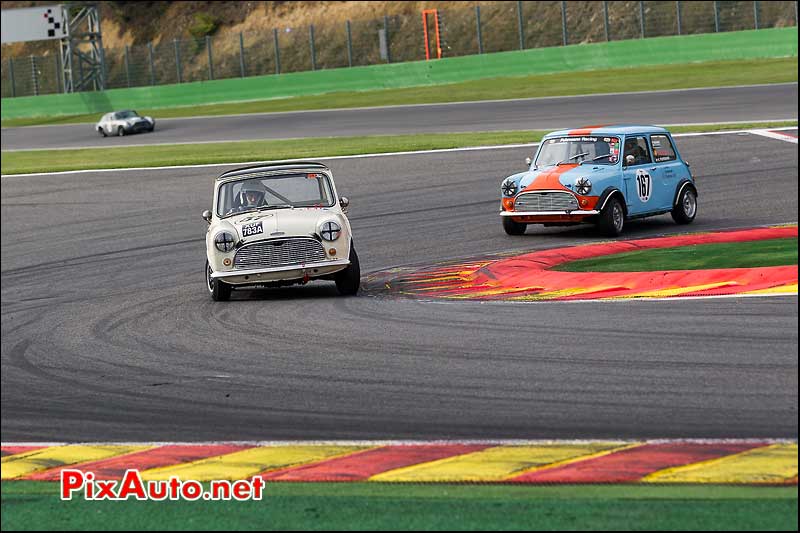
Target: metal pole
152,67
210,58
34,77
127,67
388,41
349,44
311,46
678,15
716,16
478,23
605,19
241,54
564,36
277,51
641,17
11,75
755,14
58,72
519,26
178,67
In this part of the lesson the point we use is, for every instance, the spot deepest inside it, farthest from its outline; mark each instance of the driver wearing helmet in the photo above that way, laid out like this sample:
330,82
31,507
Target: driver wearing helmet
251,195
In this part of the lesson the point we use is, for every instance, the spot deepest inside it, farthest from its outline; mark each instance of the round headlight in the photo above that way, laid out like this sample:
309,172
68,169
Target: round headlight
330,231
583,186
224,241
509,188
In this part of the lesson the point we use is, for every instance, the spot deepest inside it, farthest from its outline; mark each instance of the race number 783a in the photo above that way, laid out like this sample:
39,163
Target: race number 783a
644,185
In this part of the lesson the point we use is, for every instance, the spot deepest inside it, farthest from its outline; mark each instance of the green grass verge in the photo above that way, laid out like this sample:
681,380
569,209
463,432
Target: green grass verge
311,506
31,161
709,74
773,252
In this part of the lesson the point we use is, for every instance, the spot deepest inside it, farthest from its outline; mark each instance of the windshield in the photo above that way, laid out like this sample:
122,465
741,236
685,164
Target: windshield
275,192
597,150
126,114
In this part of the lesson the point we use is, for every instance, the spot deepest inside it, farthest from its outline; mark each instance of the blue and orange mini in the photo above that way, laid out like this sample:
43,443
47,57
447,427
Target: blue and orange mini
601,175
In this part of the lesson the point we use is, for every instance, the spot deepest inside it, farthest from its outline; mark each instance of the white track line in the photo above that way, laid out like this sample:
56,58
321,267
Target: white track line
357,156
773,134
497,442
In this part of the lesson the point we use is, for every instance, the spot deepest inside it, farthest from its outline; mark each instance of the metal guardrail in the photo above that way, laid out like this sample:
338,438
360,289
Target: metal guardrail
487,28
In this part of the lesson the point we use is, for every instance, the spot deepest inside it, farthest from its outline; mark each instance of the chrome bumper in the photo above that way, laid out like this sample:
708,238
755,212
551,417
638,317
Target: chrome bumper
547,213
286,268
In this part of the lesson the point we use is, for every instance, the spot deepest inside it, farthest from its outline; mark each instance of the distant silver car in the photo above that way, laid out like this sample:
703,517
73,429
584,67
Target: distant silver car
123,123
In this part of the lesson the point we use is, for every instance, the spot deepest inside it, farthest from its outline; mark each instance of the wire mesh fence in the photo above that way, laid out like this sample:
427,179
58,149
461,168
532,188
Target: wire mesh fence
485,28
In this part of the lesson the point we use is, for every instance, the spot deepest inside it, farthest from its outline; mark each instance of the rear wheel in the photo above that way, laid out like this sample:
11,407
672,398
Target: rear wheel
612,218
348,281
121,131
102,132
220,291
686,208
513,228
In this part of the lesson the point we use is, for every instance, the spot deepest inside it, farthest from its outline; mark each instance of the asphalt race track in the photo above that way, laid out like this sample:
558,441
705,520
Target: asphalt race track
108,333
753,103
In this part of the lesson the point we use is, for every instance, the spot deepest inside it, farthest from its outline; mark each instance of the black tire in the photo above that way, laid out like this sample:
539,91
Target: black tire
102,132
220,291
686,208
121,131
348,281
513,228
152,128
612,218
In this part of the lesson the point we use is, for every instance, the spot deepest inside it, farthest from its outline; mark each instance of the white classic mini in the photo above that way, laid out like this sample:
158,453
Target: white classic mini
278,224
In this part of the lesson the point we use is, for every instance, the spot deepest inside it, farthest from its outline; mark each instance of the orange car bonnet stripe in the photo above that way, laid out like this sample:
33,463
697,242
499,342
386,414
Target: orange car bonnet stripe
548,180
586,130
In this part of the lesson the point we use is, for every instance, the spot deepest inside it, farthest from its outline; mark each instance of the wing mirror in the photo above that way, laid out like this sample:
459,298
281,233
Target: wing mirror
344,202
207,216
528,161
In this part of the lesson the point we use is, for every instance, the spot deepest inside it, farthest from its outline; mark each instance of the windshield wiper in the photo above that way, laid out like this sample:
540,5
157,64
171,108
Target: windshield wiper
598,157
276,206
571,158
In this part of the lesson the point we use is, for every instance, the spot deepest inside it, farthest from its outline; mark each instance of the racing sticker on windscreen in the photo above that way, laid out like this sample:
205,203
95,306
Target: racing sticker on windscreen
252,229
644,185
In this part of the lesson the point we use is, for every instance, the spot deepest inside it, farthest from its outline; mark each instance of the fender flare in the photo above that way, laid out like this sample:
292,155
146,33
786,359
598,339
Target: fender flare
681,186
607,193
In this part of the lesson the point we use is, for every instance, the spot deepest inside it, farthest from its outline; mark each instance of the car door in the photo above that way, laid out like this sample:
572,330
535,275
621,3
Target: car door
664,156
640,177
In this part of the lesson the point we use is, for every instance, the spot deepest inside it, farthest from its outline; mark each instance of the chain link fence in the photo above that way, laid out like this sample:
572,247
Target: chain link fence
486,28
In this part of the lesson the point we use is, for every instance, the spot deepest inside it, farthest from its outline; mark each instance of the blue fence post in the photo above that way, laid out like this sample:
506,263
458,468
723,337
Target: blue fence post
178,68
349,45
478,28
520,28
312,47
127,67
678,15
210,58
277,50
564,36
716,16
242,68
641,17
605,19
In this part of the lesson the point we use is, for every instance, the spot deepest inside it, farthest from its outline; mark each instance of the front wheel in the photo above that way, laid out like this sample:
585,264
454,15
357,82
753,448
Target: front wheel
513,228
686,208
348,281
120,131
612,218
220,291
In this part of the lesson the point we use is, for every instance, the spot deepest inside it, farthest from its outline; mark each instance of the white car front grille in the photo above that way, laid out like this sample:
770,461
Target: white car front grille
279,252
546,201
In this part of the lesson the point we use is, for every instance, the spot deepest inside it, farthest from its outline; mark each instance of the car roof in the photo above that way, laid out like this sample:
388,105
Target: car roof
271,167
608,129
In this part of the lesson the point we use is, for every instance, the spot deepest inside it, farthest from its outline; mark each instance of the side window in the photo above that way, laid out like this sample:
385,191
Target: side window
637,147
662,148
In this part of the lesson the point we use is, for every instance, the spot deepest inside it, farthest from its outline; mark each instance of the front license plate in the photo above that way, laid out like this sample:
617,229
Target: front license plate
252,229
